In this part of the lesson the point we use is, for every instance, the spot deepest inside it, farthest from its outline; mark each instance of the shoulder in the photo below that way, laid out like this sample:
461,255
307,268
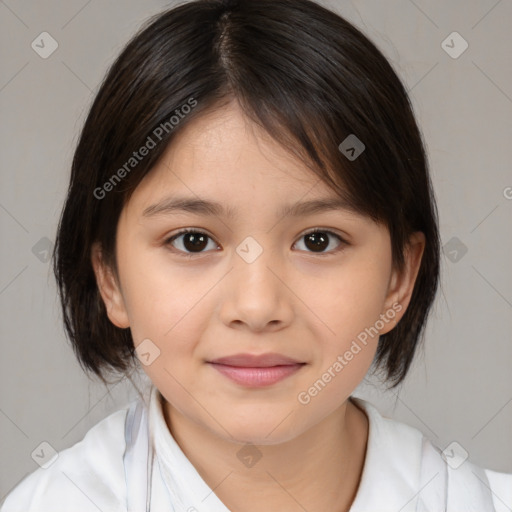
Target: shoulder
501,487
446,477
89,474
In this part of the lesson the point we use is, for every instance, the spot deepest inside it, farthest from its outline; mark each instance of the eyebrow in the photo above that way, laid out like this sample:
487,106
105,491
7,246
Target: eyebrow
177,204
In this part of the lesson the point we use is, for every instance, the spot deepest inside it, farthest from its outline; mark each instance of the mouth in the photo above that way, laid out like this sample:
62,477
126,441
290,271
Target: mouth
256,370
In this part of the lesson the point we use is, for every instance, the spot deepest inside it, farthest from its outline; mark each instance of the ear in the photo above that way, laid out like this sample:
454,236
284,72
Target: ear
402,283
109,289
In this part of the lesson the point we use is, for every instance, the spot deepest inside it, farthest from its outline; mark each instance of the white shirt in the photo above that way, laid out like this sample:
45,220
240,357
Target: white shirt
130,462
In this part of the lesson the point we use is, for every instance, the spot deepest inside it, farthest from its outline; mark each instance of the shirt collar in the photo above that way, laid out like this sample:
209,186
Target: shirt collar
391,472
389,481
184,484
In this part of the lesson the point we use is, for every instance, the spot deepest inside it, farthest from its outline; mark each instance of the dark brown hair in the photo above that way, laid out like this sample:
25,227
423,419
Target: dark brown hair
307,76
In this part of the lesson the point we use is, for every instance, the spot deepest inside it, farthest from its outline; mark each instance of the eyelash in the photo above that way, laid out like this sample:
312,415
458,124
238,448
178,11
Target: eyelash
169,240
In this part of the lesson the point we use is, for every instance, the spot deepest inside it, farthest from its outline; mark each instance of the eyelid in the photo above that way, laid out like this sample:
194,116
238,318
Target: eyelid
330,231
184,231
188,230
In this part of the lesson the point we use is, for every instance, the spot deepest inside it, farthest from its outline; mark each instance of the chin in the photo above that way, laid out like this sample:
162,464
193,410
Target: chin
260,431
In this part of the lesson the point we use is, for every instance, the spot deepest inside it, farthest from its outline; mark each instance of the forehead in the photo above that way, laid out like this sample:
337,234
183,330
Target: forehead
225,158
225,143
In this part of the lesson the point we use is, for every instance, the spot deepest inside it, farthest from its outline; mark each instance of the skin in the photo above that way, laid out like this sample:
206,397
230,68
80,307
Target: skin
291,300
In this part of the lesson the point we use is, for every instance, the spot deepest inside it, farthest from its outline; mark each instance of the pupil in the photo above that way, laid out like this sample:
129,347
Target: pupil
318,241
194,242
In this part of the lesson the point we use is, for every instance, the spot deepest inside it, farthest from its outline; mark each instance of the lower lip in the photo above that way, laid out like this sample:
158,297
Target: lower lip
257,377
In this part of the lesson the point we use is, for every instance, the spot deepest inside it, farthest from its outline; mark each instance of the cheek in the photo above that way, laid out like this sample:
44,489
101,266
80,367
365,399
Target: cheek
350,300
346,340
349,305
159,295
167,306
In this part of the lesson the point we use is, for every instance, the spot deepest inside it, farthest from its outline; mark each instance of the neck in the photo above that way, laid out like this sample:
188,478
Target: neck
318,470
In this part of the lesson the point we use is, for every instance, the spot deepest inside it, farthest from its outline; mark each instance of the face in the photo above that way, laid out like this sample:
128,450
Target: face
249,280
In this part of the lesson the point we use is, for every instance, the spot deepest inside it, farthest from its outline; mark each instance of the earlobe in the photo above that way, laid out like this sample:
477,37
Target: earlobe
402,283
109,289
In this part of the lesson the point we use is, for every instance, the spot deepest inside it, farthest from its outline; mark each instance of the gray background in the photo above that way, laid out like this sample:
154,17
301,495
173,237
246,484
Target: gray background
460,389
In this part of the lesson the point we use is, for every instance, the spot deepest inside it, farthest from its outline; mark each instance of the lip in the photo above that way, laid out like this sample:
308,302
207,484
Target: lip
256,360
256,370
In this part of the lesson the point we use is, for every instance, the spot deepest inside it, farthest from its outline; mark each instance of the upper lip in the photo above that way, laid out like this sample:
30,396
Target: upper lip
256,361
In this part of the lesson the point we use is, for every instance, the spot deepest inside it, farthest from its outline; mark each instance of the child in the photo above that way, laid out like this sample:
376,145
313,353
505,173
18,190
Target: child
250,216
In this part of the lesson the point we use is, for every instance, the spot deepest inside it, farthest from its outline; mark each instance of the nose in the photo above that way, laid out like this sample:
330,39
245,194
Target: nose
255,295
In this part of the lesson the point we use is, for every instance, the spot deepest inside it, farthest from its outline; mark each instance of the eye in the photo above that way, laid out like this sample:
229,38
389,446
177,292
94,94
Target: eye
319,239
193,242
